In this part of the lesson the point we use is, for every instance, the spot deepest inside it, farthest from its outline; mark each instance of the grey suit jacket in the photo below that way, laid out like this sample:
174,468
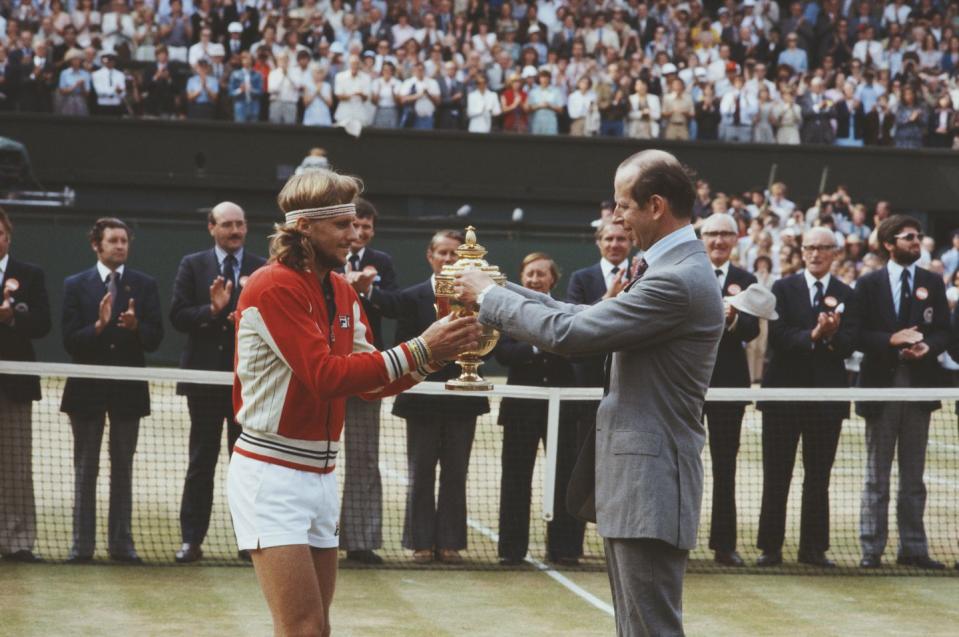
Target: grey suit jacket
663,334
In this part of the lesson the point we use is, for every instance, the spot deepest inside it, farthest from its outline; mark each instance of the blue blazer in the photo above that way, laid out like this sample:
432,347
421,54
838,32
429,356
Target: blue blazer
210,339
31,313
236,81
385,280
115,345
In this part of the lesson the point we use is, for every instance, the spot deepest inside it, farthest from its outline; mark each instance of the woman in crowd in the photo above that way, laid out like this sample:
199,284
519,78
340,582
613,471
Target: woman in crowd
544,103
318,100
513,106
581,106
524,426
677,111
910,120
763,127
385,92
787,116
644,112
707,115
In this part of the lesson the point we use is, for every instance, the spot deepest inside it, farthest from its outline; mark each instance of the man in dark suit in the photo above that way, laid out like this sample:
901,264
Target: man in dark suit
878,124
111,316
524,423
377,29
725,420
438,428
449,110
817,114
24,316
904,327
205,292
588,286
809,342
361,516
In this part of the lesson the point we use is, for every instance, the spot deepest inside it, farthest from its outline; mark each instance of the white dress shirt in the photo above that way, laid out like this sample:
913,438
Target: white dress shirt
105,83
811,284
895,281
104,271
480,108
607,267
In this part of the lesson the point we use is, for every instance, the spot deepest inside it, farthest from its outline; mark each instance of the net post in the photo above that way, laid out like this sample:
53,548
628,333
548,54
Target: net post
552,444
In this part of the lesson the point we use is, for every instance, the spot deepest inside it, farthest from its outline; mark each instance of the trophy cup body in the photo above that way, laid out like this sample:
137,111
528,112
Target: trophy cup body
470,258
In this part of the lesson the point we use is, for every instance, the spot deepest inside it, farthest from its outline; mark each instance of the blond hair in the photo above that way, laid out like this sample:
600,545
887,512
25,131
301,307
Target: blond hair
314,189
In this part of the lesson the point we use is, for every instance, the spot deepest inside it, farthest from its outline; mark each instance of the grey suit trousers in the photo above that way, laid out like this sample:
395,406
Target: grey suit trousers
646,577
18,516
87,438
908,425
361,516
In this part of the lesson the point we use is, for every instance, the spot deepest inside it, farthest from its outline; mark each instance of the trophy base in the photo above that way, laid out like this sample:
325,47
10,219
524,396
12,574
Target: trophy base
469,385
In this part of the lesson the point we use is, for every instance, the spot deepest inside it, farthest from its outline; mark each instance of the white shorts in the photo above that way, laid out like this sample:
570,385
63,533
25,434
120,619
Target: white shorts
273,505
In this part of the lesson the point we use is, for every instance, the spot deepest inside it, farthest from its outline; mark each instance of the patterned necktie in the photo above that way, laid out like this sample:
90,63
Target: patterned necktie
607,367
638,270
905,299
817,300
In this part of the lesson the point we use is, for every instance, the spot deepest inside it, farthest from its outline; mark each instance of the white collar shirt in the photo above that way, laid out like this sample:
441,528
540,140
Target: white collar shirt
104,271
895,280
608,266
811,284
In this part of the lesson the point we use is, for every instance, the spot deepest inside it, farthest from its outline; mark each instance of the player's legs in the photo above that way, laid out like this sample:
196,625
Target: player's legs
290,580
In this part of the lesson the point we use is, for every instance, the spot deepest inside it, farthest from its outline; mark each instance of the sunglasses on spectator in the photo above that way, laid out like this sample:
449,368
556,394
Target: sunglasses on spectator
910,236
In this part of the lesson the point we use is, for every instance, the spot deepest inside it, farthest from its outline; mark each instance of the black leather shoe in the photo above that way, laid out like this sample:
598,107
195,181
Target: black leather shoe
770,558
189,553
244,555
816,558
921,561
729,558
126,558
563,561
364,557
510,561
870,561
25,556
79,559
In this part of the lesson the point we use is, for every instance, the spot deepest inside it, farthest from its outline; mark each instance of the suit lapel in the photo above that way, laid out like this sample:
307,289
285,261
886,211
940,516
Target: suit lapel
802,289
887,307
917,307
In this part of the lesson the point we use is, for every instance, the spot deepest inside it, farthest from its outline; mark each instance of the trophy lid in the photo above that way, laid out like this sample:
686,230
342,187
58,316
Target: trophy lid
470,256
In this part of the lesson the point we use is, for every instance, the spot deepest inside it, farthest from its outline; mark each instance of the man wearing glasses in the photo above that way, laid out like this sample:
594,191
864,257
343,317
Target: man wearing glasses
904,327
808,344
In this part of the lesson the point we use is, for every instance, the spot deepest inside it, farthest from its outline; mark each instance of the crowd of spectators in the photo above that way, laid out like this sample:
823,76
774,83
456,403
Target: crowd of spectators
844,72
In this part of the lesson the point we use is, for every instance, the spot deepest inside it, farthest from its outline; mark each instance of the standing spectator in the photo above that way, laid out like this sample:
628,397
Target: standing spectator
86,20
37,80
879,123
419,95
513,106
385,92
117,27
318,100
75,85
818,111
793,56
205,293
202,91
614,108
111,316
524,425
439,429
481,107
246,87
176,32
724,420
544,104
284,93
910,120
24,316
809,349
850,118
450,107
942,124
361,517
904,327
581,107
708,115
110,87
762,127
787,116
160,85
644,112
737,112
678,110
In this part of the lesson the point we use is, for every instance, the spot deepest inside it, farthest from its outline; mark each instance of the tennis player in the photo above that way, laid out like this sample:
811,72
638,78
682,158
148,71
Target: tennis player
304,346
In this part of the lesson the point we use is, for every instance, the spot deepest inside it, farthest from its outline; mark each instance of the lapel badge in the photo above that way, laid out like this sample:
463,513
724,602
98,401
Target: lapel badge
922,294
733,289
11,285
928,315
344,321
830,302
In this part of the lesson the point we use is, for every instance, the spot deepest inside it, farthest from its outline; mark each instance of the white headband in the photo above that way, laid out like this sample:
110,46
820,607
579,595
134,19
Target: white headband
320,213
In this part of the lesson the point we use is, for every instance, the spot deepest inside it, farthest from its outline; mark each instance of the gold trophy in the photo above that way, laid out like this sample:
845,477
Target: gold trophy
470,258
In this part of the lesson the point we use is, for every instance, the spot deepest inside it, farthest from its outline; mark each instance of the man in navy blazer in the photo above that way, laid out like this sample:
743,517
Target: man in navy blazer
111,316
24,316
588,286
808,343
904,326
725,420
361,517
439,429
205,292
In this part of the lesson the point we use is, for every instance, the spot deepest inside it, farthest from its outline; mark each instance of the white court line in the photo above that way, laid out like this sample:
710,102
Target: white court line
542,567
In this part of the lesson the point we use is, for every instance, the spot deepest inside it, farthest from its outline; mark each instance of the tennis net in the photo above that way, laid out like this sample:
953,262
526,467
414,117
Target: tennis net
161,460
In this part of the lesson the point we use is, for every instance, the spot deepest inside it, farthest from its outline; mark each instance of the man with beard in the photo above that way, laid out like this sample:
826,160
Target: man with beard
205,293
904,327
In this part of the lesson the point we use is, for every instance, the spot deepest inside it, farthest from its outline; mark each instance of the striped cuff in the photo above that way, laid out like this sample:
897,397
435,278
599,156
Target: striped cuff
413,355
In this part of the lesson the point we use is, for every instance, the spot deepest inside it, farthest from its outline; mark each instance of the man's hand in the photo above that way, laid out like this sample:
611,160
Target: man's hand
103,316
915,352
909,336
128,319
220,293
731,313
6,308
448,338
362,281
827,324
470,283
617,286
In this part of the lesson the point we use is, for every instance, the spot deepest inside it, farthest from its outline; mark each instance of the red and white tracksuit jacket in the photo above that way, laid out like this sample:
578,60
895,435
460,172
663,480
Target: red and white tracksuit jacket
292,378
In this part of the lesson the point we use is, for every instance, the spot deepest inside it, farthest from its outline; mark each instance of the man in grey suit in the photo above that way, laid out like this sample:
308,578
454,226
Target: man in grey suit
662,333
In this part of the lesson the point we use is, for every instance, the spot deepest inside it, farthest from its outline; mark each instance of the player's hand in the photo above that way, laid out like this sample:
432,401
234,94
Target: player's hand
104,313
128,319
448,338
470,283
909,336
220,293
